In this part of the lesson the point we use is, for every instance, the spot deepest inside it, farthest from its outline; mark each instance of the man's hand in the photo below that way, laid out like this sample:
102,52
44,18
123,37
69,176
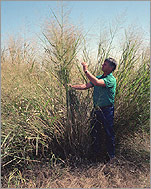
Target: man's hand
69,85
85,66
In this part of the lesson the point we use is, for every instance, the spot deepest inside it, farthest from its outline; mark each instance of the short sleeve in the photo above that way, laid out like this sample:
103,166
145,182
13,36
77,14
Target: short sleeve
109,82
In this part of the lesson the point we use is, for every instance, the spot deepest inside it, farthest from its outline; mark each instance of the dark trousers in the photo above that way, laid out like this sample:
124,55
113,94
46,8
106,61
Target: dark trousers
103,116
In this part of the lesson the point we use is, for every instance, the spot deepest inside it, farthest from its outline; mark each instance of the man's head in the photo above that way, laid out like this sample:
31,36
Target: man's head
109,65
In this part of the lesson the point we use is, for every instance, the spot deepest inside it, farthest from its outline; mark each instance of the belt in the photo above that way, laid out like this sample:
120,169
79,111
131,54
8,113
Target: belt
102,107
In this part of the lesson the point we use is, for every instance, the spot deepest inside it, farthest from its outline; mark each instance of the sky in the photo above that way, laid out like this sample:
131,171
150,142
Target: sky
27,17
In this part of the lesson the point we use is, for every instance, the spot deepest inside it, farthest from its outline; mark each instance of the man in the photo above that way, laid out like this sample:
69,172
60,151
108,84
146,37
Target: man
103,100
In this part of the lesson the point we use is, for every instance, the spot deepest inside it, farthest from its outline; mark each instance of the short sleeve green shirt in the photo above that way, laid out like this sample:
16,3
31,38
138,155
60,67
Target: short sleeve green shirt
104,96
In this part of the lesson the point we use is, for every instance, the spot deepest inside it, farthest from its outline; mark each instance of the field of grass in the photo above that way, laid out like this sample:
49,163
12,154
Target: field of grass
45,140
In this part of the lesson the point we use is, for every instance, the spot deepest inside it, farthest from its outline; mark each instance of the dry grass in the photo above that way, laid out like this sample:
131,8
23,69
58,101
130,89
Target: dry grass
123,172
120,174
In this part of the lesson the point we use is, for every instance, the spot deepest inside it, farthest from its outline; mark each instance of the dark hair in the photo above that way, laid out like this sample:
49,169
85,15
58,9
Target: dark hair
112,63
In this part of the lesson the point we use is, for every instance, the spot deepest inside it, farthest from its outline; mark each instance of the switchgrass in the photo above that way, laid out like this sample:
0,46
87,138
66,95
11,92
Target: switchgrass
133,89
46,122
62,45
27,123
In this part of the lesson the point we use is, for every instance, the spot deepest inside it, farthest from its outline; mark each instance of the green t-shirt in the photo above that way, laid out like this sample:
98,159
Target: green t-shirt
104,96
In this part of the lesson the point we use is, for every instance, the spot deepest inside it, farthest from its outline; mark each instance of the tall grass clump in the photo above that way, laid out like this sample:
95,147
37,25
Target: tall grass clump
133,88
28,113
62,45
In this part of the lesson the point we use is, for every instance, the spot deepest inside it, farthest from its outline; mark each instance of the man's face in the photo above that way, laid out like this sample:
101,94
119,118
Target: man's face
106,67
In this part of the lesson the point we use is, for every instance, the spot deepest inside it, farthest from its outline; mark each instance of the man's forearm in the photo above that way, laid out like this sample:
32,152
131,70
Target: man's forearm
79,87
92,78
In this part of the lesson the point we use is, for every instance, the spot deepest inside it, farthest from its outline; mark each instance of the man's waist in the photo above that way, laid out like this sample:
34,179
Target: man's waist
102,107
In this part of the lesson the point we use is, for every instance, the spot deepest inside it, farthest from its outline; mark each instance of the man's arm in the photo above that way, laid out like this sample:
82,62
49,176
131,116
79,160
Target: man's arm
92,78
82,86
